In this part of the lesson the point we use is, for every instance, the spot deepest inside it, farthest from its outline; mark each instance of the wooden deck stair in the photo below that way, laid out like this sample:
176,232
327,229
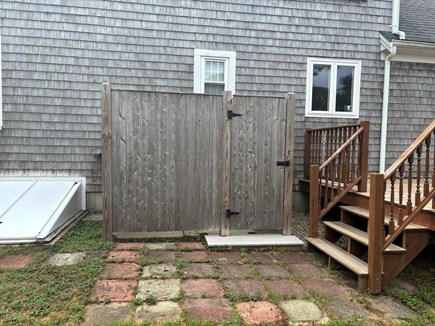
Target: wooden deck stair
378,230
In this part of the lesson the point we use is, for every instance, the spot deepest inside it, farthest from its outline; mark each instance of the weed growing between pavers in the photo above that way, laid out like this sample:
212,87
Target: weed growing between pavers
52,295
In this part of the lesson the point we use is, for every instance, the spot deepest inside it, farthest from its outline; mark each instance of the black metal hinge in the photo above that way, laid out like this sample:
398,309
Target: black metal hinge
229,213
283,163
231,114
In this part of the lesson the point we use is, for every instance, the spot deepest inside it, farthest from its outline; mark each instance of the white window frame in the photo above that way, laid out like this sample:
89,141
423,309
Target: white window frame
201,56
331,113
1,98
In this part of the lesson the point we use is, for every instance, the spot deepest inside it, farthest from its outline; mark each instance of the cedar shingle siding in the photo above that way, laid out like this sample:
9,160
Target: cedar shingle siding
57,53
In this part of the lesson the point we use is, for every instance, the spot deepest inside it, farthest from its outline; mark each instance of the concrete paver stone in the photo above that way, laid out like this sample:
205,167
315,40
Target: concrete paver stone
342,307
261,257
301,311
120,271
202,288
261,312
114,290
159,271
162,290
100,314
227,256
324,287
209,309
294,258
65,259
162,311
161,246
390,308
17,261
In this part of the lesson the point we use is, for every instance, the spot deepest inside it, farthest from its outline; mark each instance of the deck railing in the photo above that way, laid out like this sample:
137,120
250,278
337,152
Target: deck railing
338,159
401,192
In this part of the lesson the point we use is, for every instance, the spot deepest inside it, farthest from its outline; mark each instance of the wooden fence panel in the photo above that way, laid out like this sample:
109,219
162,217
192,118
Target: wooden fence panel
165,154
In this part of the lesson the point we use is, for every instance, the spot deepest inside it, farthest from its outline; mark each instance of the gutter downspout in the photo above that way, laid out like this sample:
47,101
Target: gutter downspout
386,95
395,20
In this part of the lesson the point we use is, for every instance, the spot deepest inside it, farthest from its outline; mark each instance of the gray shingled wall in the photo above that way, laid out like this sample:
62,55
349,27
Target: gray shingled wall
57,53
412,105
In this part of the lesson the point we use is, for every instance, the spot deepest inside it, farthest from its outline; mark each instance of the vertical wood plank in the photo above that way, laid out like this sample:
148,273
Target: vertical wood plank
290,108
375,230
106,114
226,163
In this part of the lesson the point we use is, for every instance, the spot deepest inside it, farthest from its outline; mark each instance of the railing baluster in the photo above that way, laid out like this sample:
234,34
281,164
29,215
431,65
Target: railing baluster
401,170
417,190
391,224
409,202
426,166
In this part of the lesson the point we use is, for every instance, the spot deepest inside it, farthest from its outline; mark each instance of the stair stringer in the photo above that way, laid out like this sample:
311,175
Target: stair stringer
414,241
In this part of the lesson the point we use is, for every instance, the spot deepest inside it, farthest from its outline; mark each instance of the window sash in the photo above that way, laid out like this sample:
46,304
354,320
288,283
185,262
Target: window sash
332,92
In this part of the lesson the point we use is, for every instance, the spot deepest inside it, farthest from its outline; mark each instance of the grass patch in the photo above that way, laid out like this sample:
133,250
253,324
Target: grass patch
52,295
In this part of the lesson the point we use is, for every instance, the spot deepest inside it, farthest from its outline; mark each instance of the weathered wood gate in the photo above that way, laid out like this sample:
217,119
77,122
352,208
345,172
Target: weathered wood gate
176,162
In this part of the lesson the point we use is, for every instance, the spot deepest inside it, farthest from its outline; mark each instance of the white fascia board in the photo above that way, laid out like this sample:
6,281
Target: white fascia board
408,51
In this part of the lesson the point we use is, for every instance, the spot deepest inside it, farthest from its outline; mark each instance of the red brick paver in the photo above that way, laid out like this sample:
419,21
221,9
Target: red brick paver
114,290
160,256
17,261
261,312
285,288
129,246
209,309
232,271
120,271
323,287
199,270
306,270
124,256
202,288
228,257
261,257
246,288
273,270
195,256
294,258
190,246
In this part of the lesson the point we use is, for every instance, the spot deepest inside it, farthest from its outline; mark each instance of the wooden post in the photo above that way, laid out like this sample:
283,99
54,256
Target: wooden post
313,231
375,230
290,104
226,163
364,158
307,153
106,115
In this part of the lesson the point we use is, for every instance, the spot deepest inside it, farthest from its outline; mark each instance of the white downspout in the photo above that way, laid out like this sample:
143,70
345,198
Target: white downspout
384,123
395,20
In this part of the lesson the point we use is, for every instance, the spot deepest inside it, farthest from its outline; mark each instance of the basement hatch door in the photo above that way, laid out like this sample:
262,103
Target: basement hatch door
36,209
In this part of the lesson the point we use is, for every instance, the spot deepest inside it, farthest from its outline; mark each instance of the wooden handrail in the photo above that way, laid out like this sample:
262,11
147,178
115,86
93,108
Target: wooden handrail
413,167
344,168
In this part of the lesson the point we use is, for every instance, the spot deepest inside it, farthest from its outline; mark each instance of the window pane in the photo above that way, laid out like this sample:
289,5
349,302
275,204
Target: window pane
344,96
217,89
214,71
321,77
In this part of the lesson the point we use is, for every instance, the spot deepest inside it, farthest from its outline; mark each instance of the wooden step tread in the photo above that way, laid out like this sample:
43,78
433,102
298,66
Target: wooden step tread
364,213
356,265
359,235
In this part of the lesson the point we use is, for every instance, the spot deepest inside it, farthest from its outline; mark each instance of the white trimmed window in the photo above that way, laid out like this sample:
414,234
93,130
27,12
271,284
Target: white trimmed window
333,88
214,71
